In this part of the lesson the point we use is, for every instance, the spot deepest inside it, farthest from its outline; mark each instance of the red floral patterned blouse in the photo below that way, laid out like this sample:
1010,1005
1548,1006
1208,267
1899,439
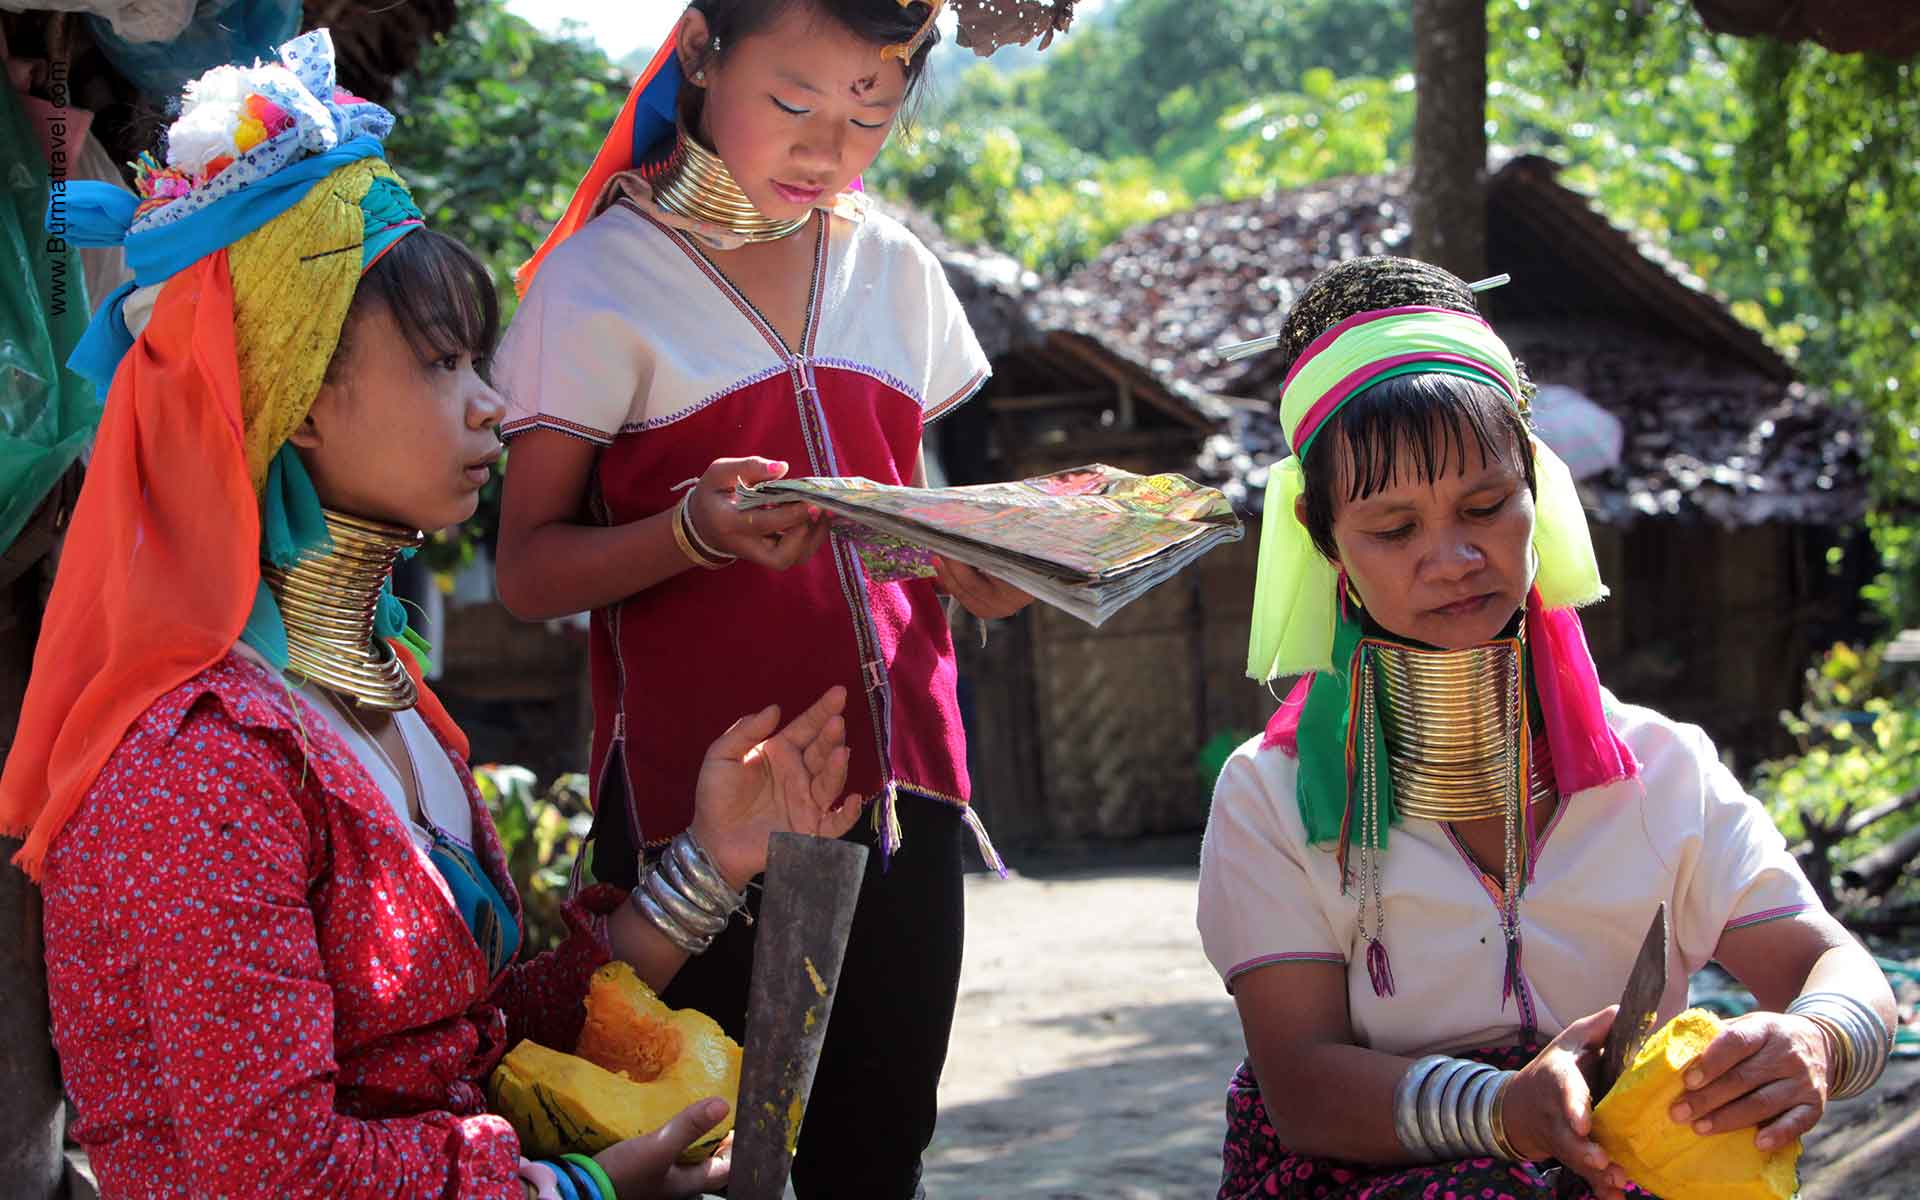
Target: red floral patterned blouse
260,987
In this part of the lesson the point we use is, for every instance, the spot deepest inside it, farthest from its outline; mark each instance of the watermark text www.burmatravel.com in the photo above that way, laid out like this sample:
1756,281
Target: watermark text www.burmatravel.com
57,126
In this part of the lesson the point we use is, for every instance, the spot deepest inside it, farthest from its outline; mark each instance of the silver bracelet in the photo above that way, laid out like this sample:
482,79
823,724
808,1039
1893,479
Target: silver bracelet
1450,1083
666,892
708,887
684,896
1448,1108
669,928
1864,1041
1406,1122
1479,1112
680,896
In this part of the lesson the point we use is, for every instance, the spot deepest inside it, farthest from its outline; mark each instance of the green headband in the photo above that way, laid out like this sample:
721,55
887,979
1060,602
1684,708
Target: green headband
1295,596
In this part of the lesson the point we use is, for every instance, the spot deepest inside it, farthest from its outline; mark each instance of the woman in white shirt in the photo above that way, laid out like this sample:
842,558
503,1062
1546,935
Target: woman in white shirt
1450,839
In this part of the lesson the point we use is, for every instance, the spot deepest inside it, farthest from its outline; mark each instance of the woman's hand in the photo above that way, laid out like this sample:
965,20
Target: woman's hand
978,592
755,783
1765,1069
1548,1107
647,1167
777,537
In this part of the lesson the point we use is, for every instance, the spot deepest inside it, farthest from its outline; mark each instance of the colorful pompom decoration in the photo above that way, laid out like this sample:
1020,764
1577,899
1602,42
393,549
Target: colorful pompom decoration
269,114
157,184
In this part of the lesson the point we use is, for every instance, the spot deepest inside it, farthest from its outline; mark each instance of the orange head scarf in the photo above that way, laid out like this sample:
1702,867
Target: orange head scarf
161,565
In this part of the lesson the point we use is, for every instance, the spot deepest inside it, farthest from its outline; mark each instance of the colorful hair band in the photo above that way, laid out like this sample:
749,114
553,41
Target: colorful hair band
1296,589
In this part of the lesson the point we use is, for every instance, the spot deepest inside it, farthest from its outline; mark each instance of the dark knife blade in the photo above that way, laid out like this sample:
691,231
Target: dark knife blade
1639,1013
812,888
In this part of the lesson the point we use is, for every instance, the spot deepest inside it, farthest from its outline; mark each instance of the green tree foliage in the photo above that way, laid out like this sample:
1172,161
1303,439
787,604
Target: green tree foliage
1859,735
1835,169
1143,81
498,121
1650,123
1787,176
992,170
542,832
1330,127
1141,112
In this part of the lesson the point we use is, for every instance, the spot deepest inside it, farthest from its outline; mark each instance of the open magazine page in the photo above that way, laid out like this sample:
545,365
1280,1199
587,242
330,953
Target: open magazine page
1088,539
1088,489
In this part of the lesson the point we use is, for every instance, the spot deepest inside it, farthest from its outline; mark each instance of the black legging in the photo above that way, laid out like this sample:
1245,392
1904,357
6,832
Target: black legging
874,1096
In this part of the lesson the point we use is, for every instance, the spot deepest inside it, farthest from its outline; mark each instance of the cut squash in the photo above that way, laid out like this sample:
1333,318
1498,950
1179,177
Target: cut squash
1633,1125
637,1064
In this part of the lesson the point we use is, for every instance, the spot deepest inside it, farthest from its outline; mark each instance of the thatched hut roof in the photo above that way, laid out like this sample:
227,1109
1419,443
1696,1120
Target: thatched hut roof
1003,301
1716,425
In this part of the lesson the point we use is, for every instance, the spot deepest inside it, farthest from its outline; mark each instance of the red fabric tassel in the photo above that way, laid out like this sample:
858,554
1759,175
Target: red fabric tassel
1512,980
1379,969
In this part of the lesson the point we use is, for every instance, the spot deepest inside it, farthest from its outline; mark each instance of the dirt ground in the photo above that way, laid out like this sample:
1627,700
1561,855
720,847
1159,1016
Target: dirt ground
1093,1043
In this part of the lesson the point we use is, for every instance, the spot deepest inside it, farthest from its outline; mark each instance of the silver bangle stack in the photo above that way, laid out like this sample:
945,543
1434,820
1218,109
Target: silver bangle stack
685,897
1449,1108
1863,1039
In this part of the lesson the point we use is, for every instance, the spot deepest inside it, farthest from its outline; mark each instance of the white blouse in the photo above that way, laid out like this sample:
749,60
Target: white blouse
1684,831
627,332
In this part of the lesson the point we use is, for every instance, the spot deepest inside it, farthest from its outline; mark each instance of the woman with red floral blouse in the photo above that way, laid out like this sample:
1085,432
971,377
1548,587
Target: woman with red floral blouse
280,933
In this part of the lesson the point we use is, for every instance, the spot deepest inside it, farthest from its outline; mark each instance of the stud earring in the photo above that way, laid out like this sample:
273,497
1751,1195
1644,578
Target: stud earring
699,76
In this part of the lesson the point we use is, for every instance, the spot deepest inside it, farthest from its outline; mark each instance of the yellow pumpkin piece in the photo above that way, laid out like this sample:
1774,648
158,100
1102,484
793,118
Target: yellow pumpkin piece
638,1063
631,1032
1669,1159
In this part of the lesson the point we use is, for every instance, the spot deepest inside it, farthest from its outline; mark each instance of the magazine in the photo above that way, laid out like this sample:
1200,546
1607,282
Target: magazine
1088,540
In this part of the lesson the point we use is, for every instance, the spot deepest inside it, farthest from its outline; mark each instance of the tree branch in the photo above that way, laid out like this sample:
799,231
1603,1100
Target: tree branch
1878,871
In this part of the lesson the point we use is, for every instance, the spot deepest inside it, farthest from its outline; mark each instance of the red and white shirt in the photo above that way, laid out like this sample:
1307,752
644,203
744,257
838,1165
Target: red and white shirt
633,339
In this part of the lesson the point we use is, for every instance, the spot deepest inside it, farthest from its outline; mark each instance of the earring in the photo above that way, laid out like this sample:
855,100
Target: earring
699,76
